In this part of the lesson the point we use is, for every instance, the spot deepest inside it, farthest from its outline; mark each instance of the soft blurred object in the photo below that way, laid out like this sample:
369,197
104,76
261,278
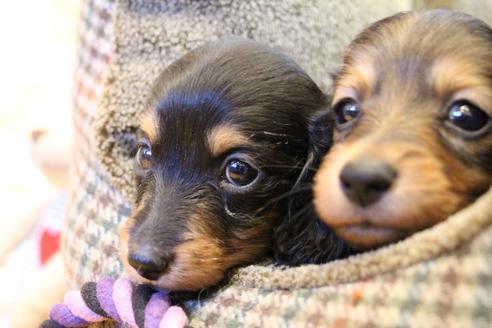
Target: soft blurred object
479,8
36,65
36,80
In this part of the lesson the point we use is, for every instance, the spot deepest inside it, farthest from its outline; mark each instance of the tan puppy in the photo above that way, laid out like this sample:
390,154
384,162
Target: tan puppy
413,141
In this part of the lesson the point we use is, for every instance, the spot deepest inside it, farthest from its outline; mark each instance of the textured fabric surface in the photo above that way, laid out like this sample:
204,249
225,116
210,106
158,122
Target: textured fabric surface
440,277
95,207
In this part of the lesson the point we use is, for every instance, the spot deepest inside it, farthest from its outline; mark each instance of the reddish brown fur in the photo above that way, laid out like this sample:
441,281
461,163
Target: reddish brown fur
148,124
403,71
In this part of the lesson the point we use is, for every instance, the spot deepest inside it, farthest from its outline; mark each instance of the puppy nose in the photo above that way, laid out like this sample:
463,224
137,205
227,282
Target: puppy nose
365,181
148,265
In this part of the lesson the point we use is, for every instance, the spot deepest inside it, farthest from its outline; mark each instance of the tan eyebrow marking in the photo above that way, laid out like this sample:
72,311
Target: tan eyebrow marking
360,75
449,75
225,137
149,124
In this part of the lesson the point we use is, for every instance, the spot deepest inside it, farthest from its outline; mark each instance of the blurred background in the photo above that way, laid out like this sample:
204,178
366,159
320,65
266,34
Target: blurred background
37,60
36,70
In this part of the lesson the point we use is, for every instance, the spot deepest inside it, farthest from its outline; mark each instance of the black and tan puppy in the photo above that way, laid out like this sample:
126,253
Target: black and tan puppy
413,139
222,143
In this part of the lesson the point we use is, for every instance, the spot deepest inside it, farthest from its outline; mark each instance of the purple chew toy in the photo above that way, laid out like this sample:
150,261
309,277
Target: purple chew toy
120,301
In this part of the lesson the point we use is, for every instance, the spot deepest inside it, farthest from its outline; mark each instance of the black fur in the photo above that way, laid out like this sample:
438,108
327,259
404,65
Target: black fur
302,238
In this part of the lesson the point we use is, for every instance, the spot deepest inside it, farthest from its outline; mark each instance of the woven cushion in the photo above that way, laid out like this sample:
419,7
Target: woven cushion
441,276
95,208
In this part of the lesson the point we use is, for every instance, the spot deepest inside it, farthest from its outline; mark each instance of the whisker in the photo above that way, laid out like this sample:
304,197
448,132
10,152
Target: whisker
289,167
298,213
291,192
282,196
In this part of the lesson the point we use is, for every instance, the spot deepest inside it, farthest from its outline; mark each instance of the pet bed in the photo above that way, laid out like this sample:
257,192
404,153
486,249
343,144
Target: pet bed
439,277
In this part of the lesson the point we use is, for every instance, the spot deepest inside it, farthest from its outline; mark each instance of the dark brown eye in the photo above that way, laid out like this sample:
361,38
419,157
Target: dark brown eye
240,173
346,110
467,117
144,156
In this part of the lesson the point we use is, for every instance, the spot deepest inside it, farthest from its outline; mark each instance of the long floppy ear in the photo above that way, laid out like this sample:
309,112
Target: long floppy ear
320,138
301,237
320,129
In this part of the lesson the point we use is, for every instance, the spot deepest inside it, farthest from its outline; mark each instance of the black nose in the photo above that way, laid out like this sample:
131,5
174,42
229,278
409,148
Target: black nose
365,181
149,265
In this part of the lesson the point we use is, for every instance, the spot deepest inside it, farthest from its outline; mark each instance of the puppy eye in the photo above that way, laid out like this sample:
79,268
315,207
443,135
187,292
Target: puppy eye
144,156
466,116
240,173
346,110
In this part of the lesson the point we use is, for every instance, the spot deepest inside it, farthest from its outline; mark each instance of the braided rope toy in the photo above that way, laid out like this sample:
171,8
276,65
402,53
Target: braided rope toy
137,306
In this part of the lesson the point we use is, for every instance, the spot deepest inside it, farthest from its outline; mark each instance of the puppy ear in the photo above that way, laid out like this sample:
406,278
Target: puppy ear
320,129
320,136
301,237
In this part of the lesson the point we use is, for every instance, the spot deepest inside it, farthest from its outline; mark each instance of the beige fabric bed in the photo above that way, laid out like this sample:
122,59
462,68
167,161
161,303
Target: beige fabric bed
439,277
